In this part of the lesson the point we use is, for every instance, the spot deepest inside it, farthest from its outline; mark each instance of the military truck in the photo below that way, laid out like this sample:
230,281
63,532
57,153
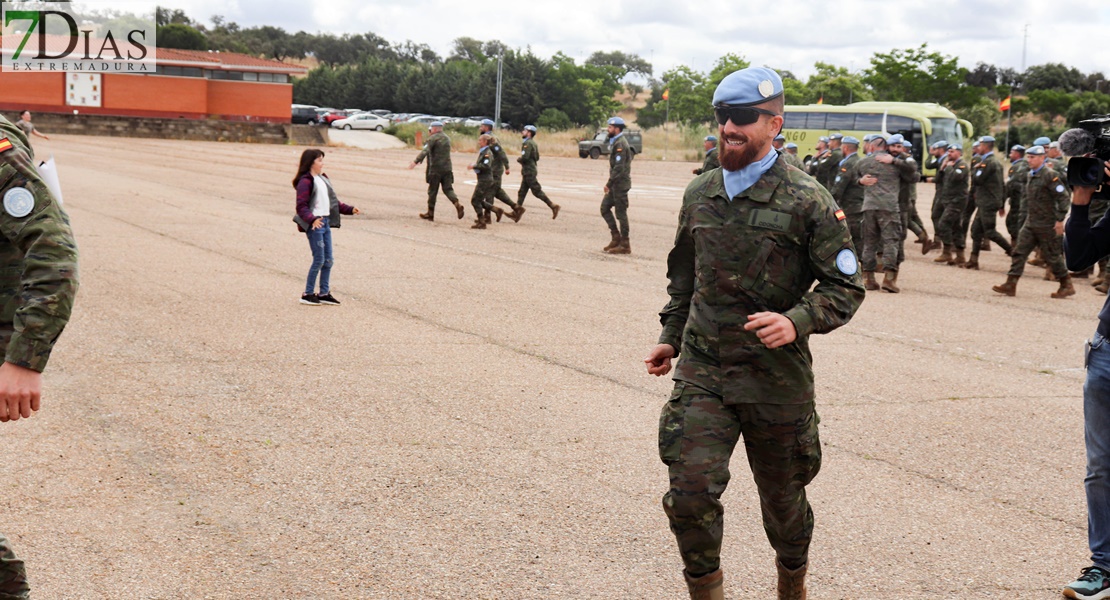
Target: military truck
600,144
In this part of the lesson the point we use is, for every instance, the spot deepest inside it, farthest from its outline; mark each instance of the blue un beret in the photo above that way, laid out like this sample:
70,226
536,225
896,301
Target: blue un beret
616,121
791,146
836,136
1042,141
710,138
1035,150
487,122
531,128
747,87
940,144
986,139
1018,147
823,139
780,138
850,140
896,139
435,124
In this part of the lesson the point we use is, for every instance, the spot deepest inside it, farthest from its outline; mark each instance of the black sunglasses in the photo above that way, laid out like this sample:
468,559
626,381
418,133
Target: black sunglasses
739,115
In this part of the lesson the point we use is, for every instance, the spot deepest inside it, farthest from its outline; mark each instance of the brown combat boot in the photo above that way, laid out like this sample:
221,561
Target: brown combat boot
945,254
1048,276
497,210
518,211
616,241
1084,274
706,587
1066,288
624,247
792,582
428,216
459,209
1037,261
890,282
555,211
1009,288
927,244
1103,287
958,260
869,282
479,224
973,262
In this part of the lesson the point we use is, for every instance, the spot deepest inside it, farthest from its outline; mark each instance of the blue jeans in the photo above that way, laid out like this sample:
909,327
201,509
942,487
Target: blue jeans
319,240
1096,431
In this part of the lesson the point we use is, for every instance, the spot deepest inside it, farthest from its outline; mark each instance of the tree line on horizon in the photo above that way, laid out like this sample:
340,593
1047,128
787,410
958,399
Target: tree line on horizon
367,71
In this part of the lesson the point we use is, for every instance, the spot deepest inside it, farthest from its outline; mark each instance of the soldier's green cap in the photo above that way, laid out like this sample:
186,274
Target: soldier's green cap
747,87
1035,150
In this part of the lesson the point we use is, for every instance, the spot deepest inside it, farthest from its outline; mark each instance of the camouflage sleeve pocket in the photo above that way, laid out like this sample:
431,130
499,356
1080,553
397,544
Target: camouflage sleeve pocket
671,426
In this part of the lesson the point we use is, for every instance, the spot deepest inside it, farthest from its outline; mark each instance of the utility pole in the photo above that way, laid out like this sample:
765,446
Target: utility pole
1010,110
497,108
665,120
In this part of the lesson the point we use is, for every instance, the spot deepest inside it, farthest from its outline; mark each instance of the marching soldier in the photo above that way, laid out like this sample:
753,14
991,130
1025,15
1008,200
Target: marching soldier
500,167
616,188
848,192
529,156
821,150
711,161
937,153
39,283
482,199
988,190
438,152
1016,179
790,153
828,165
1047,201
952,199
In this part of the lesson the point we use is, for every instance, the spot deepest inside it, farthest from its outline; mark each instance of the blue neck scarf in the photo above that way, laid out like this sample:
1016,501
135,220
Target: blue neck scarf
614,138
738,182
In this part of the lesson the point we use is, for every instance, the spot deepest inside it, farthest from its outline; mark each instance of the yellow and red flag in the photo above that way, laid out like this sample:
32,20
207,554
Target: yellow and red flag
821,100
1005,104
667,94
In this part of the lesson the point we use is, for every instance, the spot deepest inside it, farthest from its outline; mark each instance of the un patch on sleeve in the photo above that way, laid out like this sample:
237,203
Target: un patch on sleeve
1060,188
846,262
19,202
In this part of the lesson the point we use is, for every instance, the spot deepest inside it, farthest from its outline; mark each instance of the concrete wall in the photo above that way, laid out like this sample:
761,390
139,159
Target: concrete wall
179,129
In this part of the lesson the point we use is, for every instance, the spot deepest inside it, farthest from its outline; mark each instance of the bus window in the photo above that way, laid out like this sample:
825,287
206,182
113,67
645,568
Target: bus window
841,122
946,130
869,122
815,121
895,124
794,120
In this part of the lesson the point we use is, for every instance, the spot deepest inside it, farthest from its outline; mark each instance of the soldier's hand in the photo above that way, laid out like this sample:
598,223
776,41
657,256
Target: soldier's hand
506,170
659,360
20,392
412,166
1002,212
868,180
773,329
606,188
1059,227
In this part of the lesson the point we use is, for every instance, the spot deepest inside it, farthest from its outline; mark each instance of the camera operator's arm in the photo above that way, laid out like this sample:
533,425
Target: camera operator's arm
1084,244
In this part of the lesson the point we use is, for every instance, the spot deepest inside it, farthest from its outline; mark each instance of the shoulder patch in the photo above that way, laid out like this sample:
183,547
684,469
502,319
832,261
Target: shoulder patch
5,145
840,216
846,262
19,202
1059,188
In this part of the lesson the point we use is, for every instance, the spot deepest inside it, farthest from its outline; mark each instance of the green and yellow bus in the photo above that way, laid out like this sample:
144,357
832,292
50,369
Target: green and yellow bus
921,123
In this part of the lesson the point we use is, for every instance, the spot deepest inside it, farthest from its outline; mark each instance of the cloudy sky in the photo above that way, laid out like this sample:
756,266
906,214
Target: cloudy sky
787,34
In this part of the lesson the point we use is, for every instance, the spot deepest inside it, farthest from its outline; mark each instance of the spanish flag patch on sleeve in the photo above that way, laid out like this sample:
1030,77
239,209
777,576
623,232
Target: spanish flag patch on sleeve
840,215
5,145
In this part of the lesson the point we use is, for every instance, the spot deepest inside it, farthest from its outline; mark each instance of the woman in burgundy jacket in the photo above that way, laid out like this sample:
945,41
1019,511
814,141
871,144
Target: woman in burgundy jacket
318,210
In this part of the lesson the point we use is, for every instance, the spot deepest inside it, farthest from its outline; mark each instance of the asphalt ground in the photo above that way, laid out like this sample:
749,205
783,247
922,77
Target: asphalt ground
475,420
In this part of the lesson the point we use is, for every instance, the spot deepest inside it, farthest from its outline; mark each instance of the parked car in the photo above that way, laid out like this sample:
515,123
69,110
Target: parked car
362,121
381,112
304,114
335,115
473,121
600,144
423,119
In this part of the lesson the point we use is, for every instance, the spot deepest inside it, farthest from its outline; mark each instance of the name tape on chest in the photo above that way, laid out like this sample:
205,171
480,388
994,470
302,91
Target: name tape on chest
770,219
19,202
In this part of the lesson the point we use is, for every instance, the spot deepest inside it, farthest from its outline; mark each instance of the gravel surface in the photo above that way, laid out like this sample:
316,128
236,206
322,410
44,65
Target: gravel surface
475,422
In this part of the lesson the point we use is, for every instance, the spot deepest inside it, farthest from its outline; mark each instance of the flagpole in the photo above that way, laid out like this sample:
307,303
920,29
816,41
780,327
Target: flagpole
665,120
1009,114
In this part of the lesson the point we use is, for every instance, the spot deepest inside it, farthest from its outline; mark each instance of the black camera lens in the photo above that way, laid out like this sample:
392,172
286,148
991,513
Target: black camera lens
1085,171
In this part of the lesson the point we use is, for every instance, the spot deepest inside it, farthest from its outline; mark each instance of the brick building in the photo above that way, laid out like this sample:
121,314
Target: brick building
188,84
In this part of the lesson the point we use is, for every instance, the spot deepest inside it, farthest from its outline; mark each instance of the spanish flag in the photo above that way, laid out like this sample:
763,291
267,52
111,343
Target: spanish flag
1005,104
667,94
821,100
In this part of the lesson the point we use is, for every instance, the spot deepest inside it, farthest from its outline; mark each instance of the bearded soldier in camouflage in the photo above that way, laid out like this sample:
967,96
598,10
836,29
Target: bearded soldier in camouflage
39,282
1016,178
882,175
529,156
988,189
753,237
848,192
438,152
710,162
952,199
614,205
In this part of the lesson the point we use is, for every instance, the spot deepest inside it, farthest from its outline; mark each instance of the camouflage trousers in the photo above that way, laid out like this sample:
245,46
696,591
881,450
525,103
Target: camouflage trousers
499,192
1015,219
697,434
935,213
616,201
855,227
482,198
949,228
13,576
911,221
1052,250
530,183
882,233
983,226
444,180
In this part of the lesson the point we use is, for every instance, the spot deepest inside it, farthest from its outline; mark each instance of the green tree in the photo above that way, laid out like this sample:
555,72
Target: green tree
689,102
1052,76
1049,103
982,115
467,48
917,75
554,119
624,63
837,85
181,36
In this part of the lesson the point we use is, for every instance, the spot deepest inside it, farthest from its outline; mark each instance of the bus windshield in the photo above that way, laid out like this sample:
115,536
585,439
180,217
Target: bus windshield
947,130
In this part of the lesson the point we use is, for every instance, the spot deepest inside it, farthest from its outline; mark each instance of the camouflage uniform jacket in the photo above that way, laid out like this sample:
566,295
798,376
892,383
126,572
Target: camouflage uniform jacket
761,251
38,279
907,192
1060,165
438,152
987,183
884,194
500,158
485,164
711,162
1046,198
620,164
937,163
828,167
792,159
1017,178
529,156
953,182
846,189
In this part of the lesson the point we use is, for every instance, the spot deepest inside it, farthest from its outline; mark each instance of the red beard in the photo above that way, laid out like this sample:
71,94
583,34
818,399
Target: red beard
734,159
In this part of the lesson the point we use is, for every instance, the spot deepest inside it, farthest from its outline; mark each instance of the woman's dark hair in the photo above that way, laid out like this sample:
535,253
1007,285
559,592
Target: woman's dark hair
307,158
